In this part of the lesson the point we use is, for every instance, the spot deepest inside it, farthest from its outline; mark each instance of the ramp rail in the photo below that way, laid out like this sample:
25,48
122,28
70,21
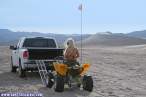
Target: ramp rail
42,71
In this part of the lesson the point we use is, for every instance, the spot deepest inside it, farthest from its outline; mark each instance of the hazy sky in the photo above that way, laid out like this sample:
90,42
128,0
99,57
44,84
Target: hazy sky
63,16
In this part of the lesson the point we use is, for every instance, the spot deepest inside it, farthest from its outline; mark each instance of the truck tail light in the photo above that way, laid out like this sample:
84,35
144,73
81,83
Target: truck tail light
25,54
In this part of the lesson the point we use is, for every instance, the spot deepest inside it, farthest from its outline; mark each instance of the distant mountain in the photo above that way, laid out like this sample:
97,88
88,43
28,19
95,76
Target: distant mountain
138,34
9,37
110,39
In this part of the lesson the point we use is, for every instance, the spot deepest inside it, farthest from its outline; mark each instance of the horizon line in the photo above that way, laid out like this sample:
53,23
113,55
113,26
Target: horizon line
42,32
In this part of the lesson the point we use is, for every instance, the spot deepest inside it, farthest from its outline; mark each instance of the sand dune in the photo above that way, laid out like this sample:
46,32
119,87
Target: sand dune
111,40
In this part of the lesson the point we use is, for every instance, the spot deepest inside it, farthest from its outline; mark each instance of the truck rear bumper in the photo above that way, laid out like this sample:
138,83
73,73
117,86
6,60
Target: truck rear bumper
31,65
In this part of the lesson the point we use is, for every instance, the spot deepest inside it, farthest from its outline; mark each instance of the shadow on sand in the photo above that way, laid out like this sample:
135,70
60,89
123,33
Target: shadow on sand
11,82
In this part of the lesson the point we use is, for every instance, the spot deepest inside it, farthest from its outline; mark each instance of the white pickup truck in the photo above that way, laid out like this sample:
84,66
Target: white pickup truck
30,49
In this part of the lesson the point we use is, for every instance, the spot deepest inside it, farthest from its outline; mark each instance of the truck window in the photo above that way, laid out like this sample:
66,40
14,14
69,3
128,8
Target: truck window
36,42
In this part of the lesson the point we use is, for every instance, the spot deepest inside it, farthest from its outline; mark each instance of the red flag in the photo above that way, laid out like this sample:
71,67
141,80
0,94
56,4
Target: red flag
80,7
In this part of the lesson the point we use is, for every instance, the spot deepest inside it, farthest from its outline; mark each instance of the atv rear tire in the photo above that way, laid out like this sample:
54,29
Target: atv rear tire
88,83
59,84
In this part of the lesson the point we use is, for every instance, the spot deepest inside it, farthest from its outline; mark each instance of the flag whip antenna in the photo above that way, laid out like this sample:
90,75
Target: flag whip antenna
81,28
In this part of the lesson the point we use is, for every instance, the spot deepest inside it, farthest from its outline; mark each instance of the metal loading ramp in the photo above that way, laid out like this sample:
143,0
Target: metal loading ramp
42,71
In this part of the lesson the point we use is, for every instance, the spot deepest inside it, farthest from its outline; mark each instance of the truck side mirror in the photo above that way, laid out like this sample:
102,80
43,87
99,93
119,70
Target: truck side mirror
13,47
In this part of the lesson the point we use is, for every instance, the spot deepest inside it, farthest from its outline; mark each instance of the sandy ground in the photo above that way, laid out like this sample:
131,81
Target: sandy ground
117,72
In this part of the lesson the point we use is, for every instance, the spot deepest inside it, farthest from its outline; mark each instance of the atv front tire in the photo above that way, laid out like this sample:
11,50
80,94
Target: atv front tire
88,83
59,84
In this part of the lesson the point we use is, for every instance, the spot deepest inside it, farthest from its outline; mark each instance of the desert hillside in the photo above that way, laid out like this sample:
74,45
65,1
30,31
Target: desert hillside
110,39
138,34
15,36
99,39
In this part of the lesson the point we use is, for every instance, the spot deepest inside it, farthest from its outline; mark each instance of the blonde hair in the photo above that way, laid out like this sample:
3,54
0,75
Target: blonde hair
69,43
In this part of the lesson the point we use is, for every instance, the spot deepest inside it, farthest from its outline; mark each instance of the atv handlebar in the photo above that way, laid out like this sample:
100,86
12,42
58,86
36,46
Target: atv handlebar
74,67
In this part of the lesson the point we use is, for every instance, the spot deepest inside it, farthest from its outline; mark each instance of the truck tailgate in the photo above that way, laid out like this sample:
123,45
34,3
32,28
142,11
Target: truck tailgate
44,54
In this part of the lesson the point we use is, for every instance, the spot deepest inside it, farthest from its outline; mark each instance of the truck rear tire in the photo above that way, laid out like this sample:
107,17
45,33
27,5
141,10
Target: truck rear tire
21,72
88,83
13,68
59,84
